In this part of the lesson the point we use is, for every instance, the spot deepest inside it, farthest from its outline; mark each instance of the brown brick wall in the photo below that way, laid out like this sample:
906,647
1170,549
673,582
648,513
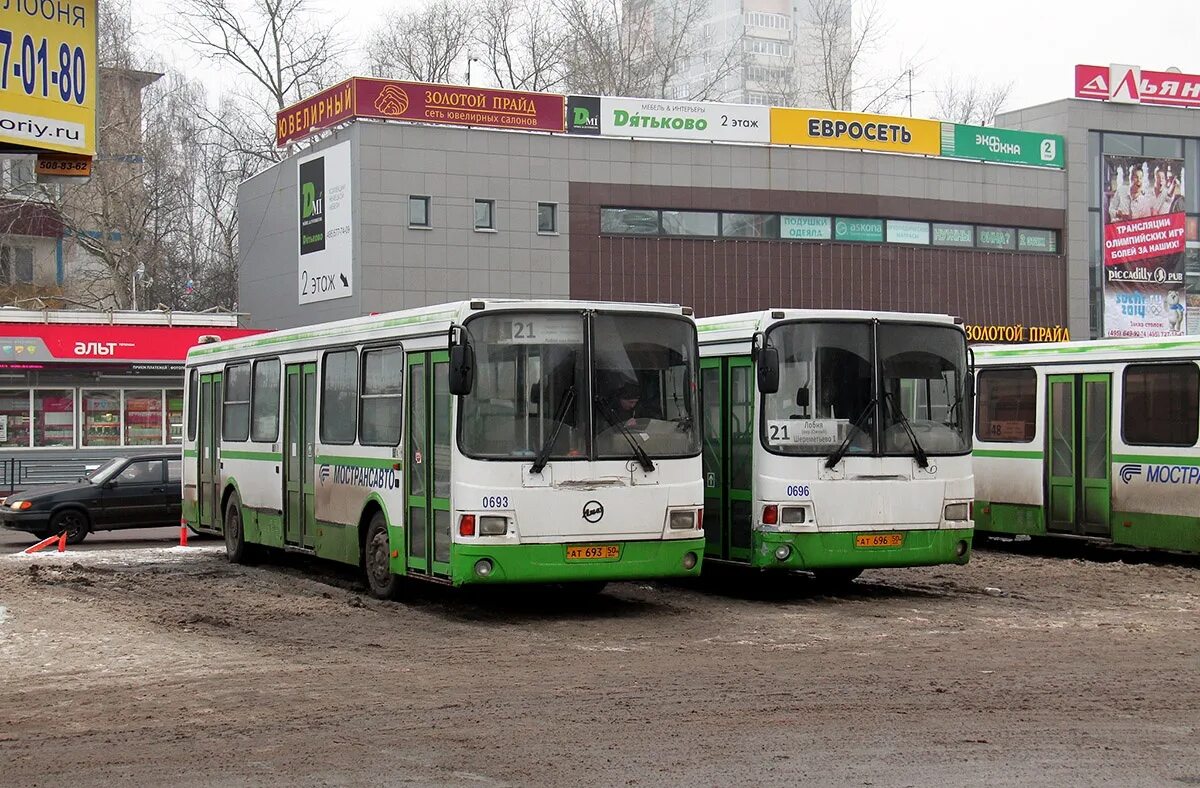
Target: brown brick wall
724,276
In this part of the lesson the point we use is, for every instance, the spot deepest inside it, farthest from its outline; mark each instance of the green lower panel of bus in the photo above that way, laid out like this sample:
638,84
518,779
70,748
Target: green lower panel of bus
548,563
1009,518
861,549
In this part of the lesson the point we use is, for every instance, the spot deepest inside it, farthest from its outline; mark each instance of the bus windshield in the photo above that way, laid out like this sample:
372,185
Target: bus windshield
830,398
533,395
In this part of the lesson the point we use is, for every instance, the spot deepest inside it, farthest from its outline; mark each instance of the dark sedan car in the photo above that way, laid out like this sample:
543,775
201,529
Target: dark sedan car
140,491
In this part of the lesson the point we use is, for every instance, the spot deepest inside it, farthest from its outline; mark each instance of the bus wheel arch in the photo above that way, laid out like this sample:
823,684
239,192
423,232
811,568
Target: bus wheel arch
376,554
229,492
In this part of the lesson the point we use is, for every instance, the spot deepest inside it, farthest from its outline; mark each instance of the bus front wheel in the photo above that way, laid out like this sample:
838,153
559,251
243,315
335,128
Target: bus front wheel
377,560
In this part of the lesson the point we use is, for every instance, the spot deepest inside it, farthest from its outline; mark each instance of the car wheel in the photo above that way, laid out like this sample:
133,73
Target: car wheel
236,549
377,560
73,522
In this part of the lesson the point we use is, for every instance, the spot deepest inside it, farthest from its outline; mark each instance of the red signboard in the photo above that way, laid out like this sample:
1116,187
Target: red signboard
41,342
387,99
1143,239
1133,85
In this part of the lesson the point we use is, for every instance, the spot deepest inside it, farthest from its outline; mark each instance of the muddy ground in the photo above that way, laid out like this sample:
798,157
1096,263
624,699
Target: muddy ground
151,666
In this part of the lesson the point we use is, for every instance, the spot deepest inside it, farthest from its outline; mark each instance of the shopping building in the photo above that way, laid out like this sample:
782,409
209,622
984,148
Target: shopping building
721,207
78,387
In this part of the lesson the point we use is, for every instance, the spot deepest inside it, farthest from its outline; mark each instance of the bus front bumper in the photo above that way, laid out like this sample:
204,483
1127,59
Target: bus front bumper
548,563
846,550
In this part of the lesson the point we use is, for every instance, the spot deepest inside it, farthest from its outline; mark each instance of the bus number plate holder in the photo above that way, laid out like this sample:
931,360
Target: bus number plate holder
879,540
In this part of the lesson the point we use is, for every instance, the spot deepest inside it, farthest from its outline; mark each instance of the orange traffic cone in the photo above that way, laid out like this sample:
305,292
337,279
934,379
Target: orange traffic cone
41,545
62,542
183,529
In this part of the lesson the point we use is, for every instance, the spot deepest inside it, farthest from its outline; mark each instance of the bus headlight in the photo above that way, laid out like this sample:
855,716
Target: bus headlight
958,511
490,525
683,520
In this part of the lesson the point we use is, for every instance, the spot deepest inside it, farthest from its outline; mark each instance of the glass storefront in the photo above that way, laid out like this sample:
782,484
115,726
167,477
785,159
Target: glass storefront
66,418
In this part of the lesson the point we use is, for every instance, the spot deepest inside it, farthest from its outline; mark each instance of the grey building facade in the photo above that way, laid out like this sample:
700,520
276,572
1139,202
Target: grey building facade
442,213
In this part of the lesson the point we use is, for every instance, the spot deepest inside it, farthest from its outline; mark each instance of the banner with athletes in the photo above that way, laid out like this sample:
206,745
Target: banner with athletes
1144,241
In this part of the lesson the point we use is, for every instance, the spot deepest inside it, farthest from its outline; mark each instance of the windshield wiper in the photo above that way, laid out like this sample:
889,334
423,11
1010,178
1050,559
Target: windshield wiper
902,420
560,415
837,456
638,451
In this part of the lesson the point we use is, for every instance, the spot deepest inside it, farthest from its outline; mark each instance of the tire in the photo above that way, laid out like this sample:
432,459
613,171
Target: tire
377,560
74,522
835,579
236,549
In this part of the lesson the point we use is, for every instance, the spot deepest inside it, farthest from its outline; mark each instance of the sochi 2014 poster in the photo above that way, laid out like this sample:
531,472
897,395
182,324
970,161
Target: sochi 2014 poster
1144,242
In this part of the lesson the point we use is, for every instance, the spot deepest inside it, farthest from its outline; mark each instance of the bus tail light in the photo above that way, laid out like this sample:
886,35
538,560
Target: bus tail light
770,514
491,525
682,521
793,515
699,519
958,511
466,525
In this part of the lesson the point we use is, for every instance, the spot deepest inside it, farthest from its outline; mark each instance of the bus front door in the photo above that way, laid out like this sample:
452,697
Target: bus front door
208,452
1078,472
299,438
427,464
727,401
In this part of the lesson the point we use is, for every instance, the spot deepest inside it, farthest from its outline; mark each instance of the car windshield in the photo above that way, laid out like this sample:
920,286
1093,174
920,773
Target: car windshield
828,395
533,396
106,471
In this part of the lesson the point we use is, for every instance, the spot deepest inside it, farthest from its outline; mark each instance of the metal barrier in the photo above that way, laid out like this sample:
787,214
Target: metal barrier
20,472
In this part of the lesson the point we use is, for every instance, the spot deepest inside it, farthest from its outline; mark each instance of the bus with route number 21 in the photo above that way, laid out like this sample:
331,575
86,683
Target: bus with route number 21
483,441
836,440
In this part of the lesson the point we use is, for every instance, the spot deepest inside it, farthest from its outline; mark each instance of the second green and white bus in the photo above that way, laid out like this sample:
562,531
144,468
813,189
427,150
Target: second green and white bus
473,442
836,440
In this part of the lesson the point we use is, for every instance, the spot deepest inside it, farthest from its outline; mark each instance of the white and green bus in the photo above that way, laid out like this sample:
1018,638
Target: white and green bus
484,441
1096,440
836,440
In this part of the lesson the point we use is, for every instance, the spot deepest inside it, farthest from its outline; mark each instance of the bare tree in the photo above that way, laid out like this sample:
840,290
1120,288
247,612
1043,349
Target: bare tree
644,49
521,43
422,45
971,102
833,55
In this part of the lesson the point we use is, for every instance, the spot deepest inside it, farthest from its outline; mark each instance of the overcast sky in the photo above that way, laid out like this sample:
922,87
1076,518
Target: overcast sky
1032,43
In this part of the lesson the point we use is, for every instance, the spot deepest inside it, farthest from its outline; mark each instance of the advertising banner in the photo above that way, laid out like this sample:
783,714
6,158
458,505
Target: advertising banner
684,120
389,99
829,129
583,115
953,235
805,228
1007,146
49,76
1134,85
862,230
899,232
116,343
1143,246
325,238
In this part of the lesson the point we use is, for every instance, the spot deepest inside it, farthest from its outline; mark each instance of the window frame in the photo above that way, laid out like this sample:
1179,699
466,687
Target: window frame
490,227
1190,364
321,432
254,397
226,402
362,387
193,403
553,206
980,375
427,202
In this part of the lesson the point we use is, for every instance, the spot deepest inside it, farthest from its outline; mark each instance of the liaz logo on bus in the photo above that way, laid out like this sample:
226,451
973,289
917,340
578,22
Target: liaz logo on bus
375,478
593,511
312,206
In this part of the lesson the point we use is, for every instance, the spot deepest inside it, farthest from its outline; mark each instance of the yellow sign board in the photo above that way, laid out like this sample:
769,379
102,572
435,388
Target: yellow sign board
48,75
829,129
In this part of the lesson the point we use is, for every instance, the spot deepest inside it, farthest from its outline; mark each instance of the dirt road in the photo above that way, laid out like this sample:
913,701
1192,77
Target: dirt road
145,667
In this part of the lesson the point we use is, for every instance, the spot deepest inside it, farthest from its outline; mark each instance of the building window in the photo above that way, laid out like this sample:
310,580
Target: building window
1161,404
1006,401
768,21
382,389
689,223
14,419
749,225
547,218
16,264
54,418
761,46
485,214
339,397
628,221
174,416
236,408
144,418
101,412
418,212
265,408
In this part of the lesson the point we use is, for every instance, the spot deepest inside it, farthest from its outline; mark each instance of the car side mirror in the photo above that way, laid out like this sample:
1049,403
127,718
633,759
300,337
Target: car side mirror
462,369
108,485
768,369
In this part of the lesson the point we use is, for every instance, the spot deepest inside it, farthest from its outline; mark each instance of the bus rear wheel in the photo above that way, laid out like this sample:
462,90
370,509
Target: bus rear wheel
377,560
236,549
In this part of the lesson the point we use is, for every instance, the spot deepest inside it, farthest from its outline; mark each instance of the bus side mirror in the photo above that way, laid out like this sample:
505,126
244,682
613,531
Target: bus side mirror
802,397
768,369
462,369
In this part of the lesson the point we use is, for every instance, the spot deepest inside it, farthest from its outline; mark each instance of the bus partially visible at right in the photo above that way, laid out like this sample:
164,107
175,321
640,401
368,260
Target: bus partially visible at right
1095,440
